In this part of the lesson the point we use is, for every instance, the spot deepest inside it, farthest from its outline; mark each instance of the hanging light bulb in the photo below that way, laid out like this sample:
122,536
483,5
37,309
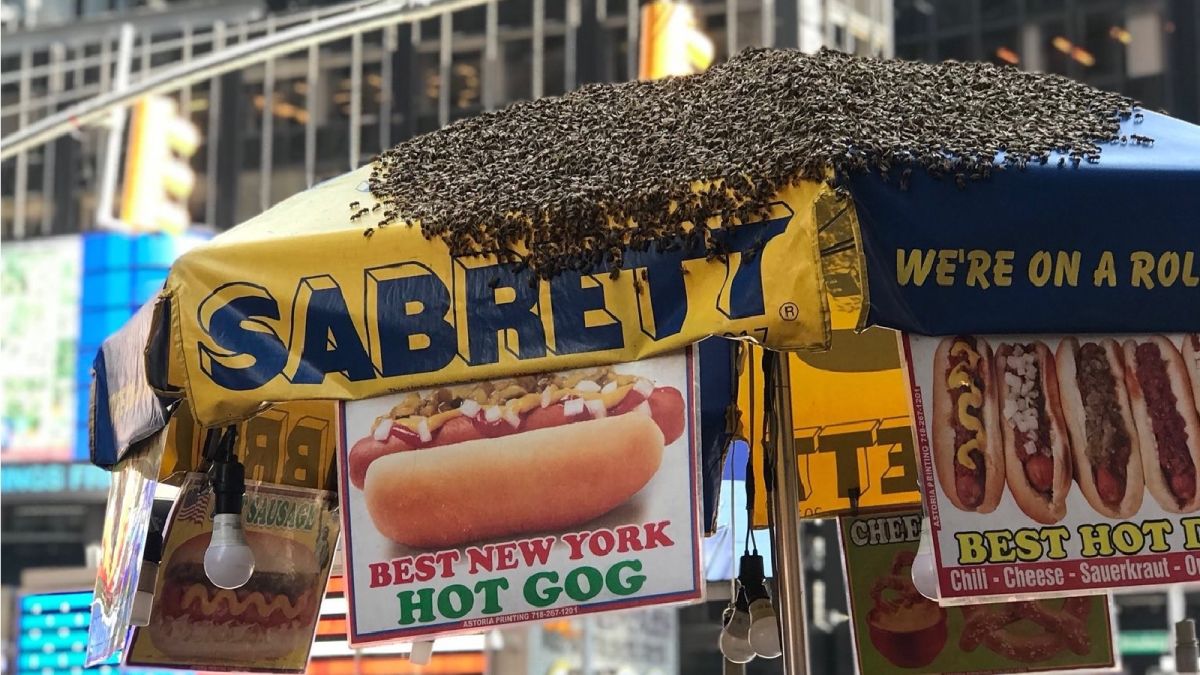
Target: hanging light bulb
228,562
924,570
735,635
764,629
764,625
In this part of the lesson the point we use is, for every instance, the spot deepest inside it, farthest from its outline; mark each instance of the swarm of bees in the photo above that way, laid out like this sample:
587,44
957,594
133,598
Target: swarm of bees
580,181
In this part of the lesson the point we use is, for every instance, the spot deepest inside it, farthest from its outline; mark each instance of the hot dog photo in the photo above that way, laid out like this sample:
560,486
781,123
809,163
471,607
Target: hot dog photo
268,623
1079,449
488,500
526,453
1118,419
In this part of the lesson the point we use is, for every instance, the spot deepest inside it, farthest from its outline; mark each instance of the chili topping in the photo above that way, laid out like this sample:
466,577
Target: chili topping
1108,440
1025,413
1170,434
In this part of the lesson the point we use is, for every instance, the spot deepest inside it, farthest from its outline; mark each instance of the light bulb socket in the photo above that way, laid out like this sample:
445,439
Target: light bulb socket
228,486
750,569
752,577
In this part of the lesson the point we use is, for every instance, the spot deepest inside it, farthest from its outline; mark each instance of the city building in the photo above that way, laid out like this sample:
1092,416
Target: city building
1145,49
271,127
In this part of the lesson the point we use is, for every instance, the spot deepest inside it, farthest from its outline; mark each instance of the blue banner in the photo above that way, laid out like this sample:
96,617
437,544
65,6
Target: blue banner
1111,247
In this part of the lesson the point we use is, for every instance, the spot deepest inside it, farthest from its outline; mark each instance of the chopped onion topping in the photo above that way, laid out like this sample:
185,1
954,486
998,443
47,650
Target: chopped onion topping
573,407
644,387
546,397
609,388
423,430
383,430
588,387
512,417
596,407
469,408
492,413
642,408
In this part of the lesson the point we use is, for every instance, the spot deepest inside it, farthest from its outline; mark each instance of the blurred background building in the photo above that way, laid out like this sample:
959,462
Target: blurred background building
90,219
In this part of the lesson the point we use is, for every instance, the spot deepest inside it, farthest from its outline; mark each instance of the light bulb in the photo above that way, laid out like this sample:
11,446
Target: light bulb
735,645
228,562
924,570
764,629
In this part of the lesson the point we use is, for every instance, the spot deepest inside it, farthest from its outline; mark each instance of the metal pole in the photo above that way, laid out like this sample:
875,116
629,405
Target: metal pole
112,153
212,136
20,193
789,564
58,54
445,58
311,103
266,140
539,46
355,116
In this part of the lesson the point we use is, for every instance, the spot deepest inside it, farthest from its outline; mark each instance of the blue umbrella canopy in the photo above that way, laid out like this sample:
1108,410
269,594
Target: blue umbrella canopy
1065,246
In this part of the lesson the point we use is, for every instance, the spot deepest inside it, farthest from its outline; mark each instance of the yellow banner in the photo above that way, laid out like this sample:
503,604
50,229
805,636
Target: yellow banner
850,411
291,444
342,309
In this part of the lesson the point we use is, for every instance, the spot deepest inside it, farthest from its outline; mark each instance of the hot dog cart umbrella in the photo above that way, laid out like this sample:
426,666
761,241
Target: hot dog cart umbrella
624,221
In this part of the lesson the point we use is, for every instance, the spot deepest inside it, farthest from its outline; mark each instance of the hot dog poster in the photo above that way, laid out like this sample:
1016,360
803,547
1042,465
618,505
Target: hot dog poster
897,630
268,624
1058,464
522,499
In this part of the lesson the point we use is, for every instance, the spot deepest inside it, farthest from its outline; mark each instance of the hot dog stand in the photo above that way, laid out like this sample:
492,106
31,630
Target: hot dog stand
490,274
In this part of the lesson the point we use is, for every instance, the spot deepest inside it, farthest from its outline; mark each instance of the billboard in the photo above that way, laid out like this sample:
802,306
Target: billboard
39,309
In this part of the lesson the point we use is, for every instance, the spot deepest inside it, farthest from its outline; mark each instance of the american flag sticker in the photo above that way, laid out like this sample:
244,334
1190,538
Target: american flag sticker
196,504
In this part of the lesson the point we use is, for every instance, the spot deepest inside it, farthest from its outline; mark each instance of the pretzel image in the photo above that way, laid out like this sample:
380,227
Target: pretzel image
906,628
1062,628
900,581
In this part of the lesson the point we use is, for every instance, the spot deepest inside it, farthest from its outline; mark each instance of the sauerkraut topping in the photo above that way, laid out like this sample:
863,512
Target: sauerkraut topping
1109,443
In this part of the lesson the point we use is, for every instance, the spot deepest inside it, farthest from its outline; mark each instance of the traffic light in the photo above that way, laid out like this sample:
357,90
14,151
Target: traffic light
671,41
158,176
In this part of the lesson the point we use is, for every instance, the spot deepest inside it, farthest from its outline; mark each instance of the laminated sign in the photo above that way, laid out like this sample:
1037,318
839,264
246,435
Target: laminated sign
521,499
897,630
1058,464
267,625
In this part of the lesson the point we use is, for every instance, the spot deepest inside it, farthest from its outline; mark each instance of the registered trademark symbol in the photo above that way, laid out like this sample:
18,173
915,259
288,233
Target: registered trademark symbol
789,311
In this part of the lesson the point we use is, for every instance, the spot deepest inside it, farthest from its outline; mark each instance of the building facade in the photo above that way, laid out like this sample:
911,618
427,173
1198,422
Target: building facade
273,127
1146,49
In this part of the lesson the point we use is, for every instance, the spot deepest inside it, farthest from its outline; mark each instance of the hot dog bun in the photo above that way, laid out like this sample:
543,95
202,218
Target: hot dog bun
1046,504
1176,492
203,625
1111,424
1191,359
533,481
944,415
